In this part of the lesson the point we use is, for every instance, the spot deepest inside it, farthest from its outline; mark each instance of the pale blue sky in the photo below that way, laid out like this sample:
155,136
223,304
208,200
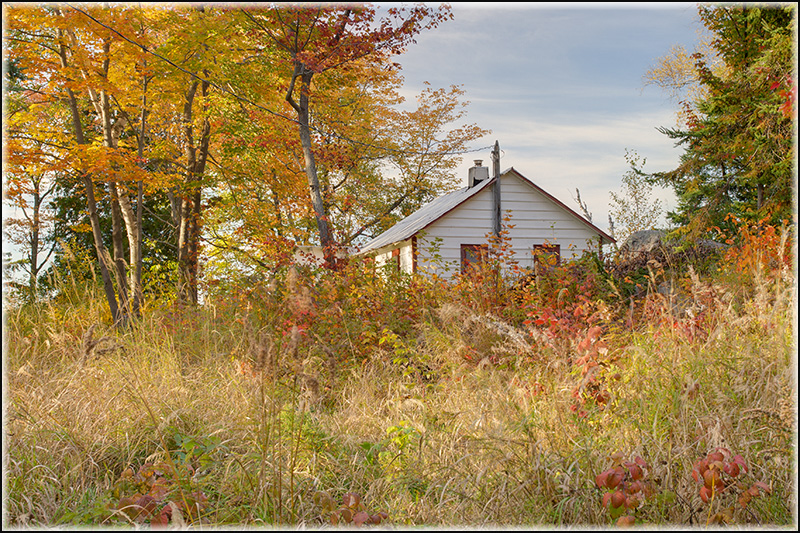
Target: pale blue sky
561,87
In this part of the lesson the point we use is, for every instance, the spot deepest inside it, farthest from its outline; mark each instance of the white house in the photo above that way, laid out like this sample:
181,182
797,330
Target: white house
313,255
449,233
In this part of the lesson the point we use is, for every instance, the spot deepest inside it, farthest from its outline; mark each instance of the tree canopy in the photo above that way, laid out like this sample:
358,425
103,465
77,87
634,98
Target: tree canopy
738,118
238,133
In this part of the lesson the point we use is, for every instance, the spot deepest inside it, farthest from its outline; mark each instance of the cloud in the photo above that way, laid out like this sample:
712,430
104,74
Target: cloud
560,86
581,152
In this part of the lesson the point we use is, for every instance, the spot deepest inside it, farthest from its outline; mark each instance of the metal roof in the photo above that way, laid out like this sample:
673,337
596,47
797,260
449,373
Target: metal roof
420,219
430,212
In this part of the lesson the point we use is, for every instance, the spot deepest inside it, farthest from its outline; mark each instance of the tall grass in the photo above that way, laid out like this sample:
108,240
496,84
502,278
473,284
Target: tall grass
395,389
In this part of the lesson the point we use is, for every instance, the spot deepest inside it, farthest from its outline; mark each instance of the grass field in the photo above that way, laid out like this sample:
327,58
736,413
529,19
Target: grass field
356,398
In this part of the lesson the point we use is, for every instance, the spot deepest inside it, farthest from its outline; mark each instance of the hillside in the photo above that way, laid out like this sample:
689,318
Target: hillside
657,392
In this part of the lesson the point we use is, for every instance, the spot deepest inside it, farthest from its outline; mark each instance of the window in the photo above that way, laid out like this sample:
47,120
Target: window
546,256
472,255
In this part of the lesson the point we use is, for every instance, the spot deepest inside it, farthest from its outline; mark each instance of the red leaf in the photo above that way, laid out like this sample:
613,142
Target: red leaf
594,332
618,499
732,469
360,518
351,500
763,486
626,521
162,520
744,499
635,471
606,499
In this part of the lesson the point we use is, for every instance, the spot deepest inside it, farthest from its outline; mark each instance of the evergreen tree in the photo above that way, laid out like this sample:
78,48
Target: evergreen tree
738,138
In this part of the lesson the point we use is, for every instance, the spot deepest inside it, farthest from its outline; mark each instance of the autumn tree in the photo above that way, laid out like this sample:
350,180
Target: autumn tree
193,42
378,160
102,83
29,189
425,146
138,85
32,167
317,39
738,134
86,61
678,76
257,204
30,195
40,42
632,208
354,113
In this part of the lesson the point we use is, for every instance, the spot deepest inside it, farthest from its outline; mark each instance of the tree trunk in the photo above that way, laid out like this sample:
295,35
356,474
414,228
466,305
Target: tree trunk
136,285
34,258
184,207
102,253
304,127
189,210
760,197
91,203
118,248
121,212
128,274
35,239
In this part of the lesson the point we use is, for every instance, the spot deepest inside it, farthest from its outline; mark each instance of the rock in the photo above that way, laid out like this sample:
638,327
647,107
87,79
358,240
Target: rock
648,243
642,242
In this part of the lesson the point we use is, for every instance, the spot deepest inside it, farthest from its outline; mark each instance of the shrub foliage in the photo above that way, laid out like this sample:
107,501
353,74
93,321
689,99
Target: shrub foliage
589,394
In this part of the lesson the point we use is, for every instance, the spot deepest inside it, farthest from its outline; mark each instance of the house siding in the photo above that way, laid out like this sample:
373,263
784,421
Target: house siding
468,223
406,255
536,220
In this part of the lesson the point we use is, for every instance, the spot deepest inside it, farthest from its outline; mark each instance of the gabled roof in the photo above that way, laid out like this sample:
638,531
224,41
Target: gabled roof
423,217
436,209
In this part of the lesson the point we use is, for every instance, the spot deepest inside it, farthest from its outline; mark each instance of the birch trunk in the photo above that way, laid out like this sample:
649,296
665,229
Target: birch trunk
91,203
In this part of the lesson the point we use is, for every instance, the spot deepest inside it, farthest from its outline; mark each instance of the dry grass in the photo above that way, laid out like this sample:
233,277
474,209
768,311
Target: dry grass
448,442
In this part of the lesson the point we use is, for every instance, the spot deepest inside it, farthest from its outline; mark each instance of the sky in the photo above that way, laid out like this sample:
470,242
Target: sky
561,88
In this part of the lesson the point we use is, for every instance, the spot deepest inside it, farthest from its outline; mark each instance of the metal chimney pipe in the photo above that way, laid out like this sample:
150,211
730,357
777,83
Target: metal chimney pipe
477,173
496,189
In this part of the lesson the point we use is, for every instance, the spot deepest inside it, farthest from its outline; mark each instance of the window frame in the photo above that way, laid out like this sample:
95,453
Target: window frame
540,250
470,259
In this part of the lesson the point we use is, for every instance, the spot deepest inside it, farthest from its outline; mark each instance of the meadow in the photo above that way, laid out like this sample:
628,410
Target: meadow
656,392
